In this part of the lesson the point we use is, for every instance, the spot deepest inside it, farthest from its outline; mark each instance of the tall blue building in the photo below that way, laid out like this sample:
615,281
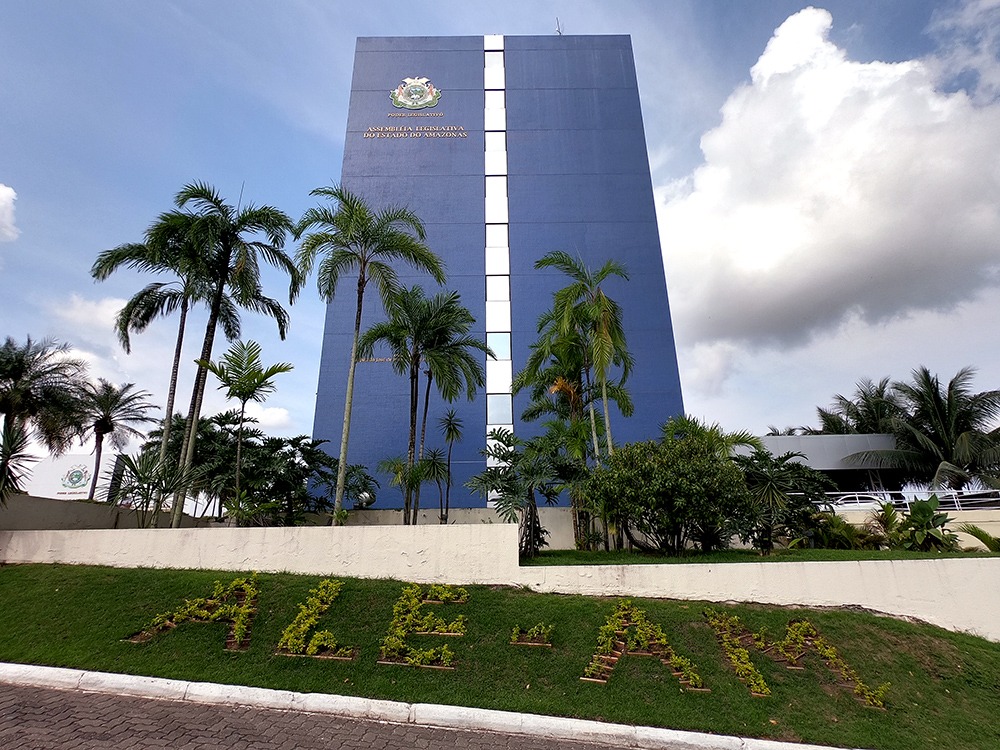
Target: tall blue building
507,148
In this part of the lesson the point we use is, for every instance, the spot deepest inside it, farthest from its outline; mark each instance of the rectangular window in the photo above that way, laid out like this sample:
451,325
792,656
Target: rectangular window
499,376
497,316
496,235
497,261
497,288
499,409
500,344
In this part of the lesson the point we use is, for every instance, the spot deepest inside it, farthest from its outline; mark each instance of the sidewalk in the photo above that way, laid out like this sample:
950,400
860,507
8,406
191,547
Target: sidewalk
57,709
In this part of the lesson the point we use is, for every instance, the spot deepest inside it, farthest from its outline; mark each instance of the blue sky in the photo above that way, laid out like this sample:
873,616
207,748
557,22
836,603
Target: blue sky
827,178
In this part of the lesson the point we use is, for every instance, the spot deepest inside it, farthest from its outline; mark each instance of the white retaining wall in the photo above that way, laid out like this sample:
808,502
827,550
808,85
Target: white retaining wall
954,593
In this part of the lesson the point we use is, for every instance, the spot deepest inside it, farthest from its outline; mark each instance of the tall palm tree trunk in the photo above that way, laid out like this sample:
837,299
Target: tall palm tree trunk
447,487
174,371
98,448
239,448
409,509
171,396
607,415
427,401
593,418
423,437
338,501
197,396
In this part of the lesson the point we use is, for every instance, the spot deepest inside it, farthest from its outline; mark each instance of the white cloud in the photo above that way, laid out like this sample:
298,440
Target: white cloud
831,190
8,232
269,417
970,43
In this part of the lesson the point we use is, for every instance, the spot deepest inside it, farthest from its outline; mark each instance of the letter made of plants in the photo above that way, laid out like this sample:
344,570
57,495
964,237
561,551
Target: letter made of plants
800,636
409,618
323,644
235,603
629,631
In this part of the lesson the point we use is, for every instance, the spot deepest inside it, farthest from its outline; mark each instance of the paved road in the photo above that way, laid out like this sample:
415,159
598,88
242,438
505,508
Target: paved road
44,719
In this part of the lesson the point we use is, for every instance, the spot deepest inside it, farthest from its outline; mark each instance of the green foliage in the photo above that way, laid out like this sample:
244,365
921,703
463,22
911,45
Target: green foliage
15,458
235,603
785,493
438,592
661,494
989,541
802,634
39,392
517,473
108,412
231,242
945,433
925,530
351,238
293,640
144,482
408,618
429,334
59,615
629,628
540,633
728,630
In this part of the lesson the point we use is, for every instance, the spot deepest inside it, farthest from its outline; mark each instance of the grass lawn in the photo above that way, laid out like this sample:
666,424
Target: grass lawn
582,557
945,687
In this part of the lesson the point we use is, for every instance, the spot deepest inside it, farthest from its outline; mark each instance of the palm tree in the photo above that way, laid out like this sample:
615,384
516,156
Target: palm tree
584,307
871,410
946,434
245,379
353,238
39,397
520,472
722,443
233,241
450,354
14,459
431,332
109,412
451,430
169,247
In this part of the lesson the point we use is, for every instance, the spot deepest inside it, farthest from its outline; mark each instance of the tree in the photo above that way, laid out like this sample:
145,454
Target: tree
663,495
871,410
723,444
244,378
451,430
520,471
584,308
169,247
109,412
145,481
39,391
233,240
14,459
554,376
352,237
431,333
945,433
785,492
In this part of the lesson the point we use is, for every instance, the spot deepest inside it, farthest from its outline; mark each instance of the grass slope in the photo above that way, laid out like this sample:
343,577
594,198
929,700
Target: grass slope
945,686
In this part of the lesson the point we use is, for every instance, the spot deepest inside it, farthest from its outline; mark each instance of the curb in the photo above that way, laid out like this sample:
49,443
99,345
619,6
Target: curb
419,714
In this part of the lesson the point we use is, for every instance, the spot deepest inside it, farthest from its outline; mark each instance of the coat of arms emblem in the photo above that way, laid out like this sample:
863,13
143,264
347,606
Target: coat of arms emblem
76,477
415,93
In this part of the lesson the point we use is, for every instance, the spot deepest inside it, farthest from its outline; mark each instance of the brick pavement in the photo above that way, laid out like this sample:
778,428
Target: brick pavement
34,718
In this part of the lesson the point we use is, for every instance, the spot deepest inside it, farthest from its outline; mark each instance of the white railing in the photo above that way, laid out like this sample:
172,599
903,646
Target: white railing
955,500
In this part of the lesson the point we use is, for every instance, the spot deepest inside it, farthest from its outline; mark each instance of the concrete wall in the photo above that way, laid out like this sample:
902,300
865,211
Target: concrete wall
24,512
473,553
956,593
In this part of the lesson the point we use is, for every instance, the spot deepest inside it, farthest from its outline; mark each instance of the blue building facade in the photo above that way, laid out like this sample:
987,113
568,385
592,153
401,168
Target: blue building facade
508,148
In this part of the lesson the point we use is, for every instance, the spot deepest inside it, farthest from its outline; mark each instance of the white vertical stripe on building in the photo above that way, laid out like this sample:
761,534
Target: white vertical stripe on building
499,373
